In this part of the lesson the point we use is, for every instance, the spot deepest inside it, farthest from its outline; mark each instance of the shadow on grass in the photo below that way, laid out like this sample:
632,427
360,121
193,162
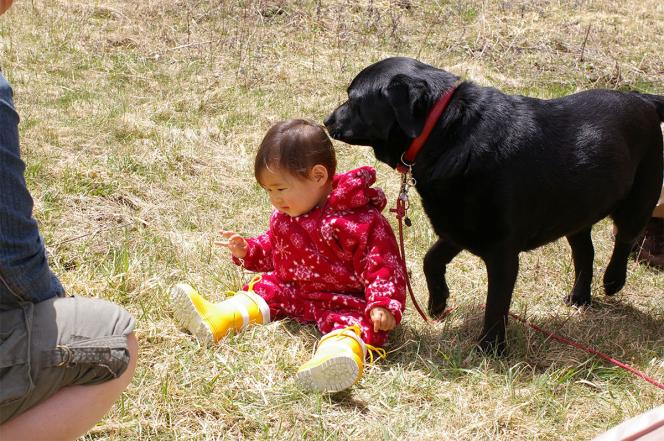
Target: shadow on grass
447,349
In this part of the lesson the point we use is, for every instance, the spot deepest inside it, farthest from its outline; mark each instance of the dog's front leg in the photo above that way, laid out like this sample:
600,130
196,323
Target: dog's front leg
435,262
502,268
582,254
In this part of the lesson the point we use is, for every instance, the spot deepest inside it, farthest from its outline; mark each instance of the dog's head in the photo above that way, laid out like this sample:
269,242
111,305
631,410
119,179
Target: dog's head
387,106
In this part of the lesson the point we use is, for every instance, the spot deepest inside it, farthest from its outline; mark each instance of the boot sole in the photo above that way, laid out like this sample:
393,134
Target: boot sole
332,375
187,316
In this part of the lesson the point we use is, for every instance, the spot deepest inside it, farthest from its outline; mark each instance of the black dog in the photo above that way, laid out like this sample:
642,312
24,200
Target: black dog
502,174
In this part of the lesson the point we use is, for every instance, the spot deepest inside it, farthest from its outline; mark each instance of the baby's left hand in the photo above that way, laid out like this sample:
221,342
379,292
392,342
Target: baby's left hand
382,319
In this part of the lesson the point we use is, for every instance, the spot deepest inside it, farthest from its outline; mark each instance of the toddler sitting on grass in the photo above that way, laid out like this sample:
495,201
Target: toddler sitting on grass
329,257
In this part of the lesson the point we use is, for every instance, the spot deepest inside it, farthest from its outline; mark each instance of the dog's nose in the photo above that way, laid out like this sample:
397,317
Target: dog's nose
329,120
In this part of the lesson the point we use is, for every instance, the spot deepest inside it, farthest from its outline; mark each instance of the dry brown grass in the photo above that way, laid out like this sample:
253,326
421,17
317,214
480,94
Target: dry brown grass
139,124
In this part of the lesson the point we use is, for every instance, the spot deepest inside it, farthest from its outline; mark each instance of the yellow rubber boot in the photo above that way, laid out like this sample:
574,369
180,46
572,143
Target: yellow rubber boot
338,362
210,322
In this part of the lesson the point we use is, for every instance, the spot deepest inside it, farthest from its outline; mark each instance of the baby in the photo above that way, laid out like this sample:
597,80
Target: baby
329,257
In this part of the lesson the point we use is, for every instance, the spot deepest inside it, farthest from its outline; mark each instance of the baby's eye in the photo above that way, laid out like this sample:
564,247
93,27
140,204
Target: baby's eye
281,189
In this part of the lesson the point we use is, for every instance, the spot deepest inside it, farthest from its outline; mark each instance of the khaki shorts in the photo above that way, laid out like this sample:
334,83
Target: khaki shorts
56,343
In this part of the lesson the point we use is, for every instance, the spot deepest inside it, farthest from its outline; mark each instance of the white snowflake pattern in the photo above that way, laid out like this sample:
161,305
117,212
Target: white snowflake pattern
394,305
380,232
302,271
329,278
264,240
338,269
351,227
382,287
326,233
297,240
393,260
363,236
280,248
283,228
358,199
365,217
309,225
374,258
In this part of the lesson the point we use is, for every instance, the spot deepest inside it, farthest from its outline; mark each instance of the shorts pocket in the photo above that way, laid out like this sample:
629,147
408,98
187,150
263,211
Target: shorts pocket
15,380
97,359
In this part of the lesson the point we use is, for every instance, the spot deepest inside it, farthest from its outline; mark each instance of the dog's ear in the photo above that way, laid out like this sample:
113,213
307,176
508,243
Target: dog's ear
404,93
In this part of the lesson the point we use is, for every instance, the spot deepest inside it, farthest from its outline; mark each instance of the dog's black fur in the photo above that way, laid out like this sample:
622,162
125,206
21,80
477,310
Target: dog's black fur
501,174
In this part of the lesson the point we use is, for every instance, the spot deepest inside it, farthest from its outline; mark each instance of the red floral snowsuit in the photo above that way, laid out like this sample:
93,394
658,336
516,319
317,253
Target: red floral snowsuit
334,264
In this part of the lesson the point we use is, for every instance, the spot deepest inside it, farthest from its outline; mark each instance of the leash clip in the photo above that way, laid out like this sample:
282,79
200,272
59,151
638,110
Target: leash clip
407,181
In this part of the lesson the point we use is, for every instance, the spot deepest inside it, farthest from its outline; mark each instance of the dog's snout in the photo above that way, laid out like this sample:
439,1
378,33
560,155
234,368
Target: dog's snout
329,121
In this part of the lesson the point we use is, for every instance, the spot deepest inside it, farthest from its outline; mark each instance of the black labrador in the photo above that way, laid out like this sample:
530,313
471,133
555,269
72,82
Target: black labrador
501,174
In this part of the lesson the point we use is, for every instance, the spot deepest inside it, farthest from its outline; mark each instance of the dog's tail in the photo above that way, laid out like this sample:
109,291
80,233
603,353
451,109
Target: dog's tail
657,101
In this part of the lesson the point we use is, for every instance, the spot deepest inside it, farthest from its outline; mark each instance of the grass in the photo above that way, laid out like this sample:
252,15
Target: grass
139,125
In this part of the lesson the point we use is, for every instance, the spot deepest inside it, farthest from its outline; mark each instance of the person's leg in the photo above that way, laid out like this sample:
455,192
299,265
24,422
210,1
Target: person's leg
340,356
82,354
210,322
649,249
73,410
659,208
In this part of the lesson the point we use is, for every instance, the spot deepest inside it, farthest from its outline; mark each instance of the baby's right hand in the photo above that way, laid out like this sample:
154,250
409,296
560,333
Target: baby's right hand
234,242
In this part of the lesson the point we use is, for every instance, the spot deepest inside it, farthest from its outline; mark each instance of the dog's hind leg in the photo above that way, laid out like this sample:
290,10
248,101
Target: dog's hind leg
631,217
435,261
583,254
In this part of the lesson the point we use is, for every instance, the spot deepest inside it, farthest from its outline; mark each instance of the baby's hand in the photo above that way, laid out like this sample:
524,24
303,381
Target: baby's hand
234,242
382,319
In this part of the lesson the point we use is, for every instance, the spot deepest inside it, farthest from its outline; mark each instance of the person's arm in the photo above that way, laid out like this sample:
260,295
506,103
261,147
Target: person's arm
378,262
24,272
259,254
4,5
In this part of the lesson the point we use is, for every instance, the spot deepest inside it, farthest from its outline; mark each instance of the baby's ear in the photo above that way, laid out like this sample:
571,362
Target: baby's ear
319,173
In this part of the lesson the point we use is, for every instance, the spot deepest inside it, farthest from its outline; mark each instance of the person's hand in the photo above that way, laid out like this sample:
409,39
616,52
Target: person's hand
4,5
234,242
382,319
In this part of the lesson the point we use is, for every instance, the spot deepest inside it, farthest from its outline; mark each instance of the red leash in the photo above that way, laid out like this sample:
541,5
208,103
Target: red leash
401,208
589,350
407,180
574,344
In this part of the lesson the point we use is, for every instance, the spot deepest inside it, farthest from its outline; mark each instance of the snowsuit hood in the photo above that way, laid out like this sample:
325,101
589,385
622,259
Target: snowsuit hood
353,189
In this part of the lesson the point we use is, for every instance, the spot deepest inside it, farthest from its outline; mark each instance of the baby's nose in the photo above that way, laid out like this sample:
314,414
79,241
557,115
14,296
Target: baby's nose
275,199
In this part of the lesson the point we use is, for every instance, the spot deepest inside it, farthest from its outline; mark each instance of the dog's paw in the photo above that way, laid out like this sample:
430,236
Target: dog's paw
614,278
611,287
436,308
492,346
613,282
579,300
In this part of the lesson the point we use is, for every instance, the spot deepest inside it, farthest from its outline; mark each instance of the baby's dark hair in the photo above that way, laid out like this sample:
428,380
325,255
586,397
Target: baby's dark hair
295,146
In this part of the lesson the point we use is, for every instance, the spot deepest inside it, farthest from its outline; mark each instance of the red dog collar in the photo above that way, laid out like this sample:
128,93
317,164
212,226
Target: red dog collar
408,157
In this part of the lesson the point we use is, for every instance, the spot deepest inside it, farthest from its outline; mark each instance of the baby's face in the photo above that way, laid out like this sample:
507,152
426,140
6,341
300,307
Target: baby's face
290,194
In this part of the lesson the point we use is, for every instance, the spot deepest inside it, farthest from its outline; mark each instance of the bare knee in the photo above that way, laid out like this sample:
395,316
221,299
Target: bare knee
132,348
